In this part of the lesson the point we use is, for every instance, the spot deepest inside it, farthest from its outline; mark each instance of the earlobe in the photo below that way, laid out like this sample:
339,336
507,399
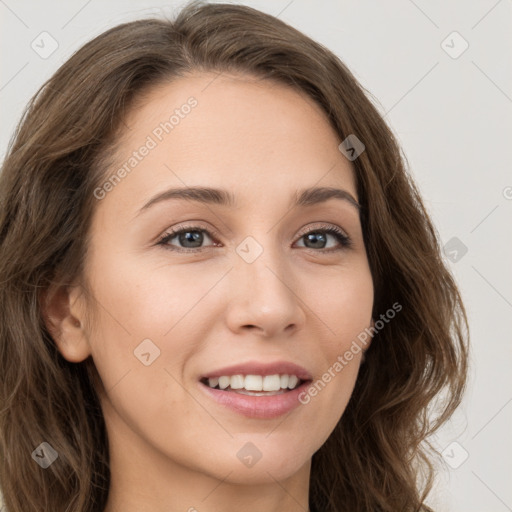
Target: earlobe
62,316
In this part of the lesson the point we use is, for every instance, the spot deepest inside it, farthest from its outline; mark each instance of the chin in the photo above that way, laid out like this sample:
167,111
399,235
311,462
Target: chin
256,459
263,472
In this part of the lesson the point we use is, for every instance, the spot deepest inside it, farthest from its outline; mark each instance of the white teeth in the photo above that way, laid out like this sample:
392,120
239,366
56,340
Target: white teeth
224,382
237,381
270,383
253,383
292,381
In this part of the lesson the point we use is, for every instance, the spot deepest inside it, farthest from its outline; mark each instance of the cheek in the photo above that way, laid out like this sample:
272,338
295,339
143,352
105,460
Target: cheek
146,320
148,301
146,330
343,306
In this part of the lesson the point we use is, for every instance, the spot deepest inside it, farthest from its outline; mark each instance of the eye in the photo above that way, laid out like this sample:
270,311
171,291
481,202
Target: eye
317,239
191,238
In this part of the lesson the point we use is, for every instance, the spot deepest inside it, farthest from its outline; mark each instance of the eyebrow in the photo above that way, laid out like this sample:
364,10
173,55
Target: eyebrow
207,195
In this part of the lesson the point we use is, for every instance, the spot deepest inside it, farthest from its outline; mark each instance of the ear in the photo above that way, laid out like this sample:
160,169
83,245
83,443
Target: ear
63,312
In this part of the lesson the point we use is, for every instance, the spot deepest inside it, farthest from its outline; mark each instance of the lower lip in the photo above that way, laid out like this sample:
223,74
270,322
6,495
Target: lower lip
265,407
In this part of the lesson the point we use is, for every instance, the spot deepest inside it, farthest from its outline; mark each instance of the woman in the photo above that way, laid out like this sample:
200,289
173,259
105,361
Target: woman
285,360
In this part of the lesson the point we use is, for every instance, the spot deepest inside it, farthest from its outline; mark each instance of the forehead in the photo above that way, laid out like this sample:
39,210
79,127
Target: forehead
252,136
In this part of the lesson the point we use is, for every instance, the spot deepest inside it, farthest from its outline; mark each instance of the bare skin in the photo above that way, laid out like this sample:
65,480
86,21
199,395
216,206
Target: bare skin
172,447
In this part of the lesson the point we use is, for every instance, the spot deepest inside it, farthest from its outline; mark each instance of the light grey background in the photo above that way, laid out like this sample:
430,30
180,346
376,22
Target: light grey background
453,117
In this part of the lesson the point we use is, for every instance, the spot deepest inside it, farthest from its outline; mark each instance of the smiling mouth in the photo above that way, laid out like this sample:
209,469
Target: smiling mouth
254,385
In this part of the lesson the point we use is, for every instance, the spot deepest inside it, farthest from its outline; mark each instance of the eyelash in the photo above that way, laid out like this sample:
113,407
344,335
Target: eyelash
341,237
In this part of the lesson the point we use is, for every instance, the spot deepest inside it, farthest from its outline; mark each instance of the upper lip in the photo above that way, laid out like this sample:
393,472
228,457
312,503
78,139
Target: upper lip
259,368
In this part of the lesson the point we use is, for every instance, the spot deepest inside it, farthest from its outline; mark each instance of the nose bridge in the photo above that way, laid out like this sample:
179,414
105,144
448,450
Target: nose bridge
263,260
265,297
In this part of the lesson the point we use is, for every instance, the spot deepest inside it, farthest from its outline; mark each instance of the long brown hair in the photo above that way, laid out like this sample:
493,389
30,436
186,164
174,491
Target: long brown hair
377,457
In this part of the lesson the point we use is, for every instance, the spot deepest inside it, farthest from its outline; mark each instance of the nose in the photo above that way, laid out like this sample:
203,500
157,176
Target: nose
264,297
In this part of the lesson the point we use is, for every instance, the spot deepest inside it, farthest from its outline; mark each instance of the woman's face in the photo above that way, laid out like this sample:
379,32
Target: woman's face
245,292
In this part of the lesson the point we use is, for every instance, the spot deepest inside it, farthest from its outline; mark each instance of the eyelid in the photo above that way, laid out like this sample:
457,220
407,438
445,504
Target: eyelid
193,226
320,226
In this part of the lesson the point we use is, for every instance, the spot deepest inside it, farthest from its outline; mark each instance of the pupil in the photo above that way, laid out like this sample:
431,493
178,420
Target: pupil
315,238
193,237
